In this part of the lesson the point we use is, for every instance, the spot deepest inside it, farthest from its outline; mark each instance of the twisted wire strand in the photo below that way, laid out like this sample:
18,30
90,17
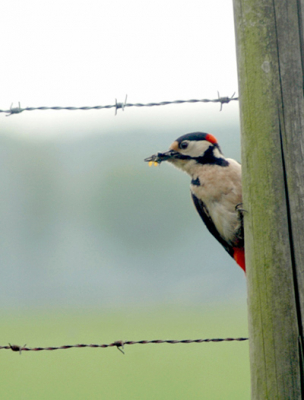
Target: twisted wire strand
221,100
119,344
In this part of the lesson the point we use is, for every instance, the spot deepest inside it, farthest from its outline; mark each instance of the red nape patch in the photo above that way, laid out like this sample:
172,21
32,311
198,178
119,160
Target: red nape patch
239,256
211,138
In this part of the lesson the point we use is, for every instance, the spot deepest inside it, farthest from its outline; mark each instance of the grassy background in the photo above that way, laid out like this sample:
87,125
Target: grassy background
213,371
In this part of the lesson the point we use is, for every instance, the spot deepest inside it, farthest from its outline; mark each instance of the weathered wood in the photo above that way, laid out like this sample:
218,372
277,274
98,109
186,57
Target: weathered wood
269,37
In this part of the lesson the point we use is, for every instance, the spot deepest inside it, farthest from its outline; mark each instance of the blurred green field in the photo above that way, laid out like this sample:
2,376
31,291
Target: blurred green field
213,371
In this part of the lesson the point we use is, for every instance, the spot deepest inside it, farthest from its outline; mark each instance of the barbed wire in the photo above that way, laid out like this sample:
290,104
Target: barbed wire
119,344
222,100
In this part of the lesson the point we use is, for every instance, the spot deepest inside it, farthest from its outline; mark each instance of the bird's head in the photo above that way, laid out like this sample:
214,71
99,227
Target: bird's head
189,150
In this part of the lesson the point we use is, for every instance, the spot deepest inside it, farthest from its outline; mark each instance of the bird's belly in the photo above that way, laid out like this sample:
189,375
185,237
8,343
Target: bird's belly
221,208
225,220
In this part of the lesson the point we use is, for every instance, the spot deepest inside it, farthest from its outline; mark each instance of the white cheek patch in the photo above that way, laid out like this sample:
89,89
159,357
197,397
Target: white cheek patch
217,153
196,148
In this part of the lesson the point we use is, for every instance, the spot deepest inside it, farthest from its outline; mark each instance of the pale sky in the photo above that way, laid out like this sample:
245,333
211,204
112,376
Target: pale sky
76,53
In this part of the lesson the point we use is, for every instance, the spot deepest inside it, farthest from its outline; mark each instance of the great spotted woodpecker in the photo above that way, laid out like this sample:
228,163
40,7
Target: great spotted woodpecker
216,187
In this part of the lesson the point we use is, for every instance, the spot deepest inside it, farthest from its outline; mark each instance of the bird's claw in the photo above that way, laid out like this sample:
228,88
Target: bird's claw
239,208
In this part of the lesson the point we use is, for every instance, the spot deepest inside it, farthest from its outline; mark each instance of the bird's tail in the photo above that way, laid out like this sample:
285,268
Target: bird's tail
239,256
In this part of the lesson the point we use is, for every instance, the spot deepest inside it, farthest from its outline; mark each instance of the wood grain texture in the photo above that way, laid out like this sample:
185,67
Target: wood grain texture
270,65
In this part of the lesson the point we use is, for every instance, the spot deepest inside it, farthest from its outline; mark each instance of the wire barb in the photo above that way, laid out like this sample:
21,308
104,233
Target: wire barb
16,110
120,105
15,347
120,345
224,100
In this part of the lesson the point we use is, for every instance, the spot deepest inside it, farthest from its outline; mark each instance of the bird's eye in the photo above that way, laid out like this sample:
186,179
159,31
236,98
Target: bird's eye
183,145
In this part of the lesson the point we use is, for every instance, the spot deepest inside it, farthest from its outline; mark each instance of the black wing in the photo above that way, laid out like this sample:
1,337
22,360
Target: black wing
204,214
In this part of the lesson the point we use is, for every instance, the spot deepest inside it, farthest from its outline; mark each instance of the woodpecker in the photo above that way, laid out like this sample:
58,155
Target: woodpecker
216,187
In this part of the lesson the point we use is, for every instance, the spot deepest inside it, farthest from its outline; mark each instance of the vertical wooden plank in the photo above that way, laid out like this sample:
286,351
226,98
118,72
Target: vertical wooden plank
270,65
290,46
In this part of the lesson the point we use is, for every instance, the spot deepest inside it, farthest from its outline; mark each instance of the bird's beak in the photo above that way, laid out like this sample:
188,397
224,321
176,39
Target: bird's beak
160,157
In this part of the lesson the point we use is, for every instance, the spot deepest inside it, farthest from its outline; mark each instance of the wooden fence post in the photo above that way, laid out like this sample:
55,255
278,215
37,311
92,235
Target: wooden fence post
269,38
